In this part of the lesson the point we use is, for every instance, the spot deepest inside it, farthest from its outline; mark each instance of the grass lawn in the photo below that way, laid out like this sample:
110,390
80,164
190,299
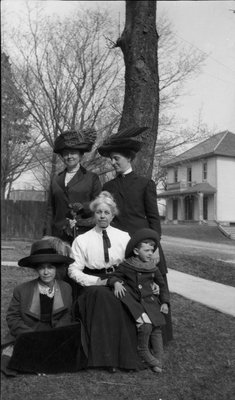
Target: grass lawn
196,232
13,250
199,362
202,266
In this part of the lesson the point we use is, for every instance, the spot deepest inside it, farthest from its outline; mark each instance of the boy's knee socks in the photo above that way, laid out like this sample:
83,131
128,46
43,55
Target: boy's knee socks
144,332
157,344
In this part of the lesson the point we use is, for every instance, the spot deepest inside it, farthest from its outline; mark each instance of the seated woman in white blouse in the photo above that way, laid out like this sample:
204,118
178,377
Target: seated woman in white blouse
91,264
111,333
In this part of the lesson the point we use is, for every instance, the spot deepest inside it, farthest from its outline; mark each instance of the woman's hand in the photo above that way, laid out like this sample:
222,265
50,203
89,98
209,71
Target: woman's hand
101,282
164,308
155,288
119,290
72,222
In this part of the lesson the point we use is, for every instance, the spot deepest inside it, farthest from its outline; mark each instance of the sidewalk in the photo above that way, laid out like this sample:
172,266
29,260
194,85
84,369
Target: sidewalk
211,294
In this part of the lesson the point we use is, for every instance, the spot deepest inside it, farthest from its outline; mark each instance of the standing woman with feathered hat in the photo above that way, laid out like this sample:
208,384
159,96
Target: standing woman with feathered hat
72,190
135,195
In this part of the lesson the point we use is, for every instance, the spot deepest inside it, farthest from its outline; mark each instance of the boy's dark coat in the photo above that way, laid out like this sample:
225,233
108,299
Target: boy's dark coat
139,297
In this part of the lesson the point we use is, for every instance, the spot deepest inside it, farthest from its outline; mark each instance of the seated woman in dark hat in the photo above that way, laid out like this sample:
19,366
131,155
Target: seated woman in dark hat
111,333
41,335
72,190
135,195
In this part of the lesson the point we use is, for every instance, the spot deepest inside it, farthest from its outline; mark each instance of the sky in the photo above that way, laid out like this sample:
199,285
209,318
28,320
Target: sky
208,26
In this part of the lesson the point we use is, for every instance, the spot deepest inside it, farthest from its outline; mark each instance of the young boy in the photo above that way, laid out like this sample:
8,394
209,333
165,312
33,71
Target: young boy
134,283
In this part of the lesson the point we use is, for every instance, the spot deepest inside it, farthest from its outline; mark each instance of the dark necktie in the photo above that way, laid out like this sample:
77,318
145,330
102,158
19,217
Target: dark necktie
107,244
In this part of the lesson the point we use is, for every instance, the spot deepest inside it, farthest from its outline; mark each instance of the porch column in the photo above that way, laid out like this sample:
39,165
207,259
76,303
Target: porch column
200,207
181,208
166,211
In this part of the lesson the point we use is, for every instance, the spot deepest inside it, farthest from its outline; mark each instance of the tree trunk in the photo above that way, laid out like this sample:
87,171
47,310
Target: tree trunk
139,42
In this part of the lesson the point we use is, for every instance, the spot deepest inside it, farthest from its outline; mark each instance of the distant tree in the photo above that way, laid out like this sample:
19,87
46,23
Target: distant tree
66,73
16,141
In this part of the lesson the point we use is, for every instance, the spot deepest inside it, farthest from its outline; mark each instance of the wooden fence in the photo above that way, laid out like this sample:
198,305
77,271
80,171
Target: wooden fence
22,219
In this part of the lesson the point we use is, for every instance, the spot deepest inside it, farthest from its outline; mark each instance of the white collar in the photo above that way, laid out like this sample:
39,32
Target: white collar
128,171
99,230
74,170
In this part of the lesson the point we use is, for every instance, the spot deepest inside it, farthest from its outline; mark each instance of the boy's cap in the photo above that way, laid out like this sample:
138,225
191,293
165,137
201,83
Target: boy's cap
139,236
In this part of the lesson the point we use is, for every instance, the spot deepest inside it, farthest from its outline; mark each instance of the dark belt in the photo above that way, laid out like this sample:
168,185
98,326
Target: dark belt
102,271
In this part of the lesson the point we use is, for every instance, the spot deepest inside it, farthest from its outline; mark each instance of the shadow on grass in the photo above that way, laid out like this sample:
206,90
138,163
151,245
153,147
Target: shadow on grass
199,362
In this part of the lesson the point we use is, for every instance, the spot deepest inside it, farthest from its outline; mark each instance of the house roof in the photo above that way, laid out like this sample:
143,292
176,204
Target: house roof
221,144
203,187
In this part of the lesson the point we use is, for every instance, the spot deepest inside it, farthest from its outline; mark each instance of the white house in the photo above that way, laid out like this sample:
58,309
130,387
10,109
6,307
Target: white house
201,182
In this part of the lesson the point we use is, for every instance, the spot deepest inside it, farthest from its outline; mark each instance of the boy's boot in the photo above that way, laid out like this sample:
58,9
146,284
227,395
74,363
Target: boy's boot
144,332
157,348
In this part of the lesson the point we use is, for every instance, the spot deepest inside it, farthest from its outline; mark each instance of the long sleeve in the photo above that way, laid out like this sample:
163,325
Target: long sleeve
88,252
151,208
75,270
164,292
14,319
96,189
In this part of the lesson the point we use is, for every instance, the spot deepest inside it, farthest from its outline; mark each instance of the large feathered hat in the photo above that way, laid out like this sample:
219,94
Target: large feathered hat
82,140
123,140
45,251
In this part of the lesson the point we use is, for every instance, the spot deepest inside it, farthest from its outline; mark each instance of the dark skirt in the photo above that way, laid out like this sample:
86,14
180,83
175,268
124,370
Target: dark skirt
111,331
52,351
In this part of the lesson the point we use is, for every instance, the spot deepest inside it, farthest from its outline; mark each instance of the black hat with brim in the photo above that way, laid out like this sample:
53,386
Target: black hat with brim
35,260
42,251
123,140
139,236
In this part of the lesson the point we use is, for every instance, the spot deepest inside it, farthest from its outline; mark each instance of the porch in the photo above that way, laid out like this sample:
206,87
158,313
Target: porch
192,202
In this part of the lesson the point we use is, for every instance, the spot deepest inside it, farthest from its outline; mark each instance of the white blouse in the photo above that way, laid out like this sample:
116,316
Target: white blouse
88,252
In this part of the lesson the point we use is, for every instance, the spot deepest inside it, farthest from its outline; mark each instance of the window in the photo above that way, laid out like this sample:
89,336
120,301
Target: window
204,171
175,175
189,174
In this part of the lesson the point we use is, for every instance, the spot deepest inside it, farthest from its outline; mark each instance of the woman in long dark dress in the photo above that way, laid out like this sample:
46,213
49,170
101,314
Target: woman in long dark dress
71,191
135,195
111,333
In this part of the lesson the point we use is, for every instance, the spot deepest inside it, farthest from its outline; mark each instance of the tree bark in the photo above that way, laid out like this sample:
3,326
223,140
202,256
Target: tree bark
139,43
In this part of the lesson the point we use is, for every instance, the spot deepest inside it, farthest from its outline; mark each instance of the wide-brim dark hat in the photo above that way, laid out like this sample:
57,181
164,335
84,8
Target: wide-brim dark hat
139,236
123,140
75,140
43,252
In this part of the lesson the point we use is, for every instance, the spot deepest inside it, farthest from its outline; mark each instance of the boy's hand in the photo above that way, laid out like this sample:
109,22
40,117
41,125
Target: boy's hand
164,308
119,289
155,288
